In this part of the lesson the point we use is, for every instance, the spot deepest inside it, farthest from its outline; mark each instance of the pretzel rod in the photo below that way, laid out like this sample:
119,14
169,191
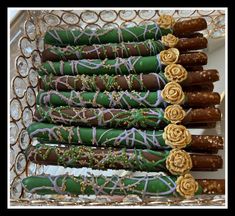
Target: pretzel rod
103,51
158,185
113,118
103,36
122,99
163,26
123,66
129,159
123,50
106,82
152,81
128,100
128,138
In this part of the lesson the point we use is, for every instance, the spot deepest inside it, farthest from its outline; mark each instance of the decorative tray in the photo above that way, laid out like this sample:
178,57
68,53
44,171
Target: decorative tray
26,45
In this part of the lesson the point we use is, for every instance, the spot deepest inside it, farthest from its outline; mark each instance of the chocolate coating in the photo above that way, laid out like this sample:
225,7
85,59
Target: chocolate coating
212,186
206,142
201,99
189,26
192,59
186,44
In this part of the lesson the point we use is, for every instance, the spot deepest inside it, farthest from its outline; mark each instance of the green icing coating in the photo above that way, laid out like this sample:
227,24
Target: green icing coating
133,64
157,185
109,82
129,138
115,99
102,36
109,158
110,51
112,118
101,185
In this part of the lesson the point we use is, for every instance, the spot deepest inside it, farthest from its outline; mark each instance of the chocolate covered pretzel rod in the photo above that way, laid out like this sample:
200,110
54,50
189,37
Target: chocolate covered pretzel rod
173,136
126,100
125,66
141,82
106,82
123,50
158,185
163,26
176,162
155,118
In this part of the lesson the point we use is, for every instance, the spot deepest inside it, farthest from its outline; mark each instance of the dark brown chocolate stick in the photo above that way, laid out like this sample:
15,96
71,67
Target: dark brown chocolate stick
195,43
193,68
130,159
206,162
189,26
201,99
205,115
212,186
201,77
205,143
190,35
192,59
207,87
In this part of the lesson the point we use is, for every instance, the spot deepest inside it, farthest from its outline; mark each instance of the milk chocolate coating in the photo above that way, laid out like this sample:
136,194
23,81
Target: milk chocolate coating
201,99
206,162
207,87
199,77
193,68
192,59
205,115
186,44
190,35
205,143
200,162
212,186
189,26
